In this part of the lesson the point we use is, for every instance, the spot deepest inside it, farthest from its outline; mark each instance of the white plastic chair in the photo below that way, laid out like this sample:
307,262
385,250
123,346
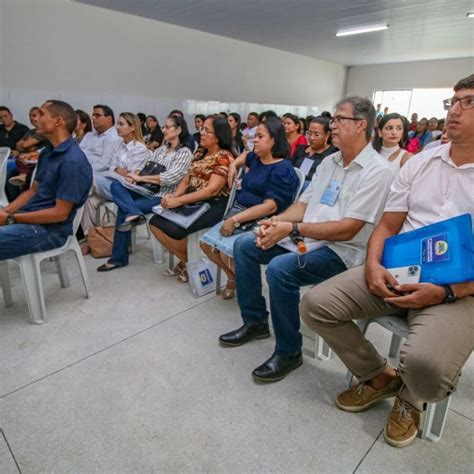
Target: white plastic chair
4,154
31,273
435,415
5,282
301,177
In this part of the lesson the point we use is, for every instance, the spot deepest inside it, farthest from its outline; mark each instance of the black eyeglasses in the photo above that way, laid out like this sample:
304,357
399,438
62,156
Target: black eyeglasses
466,103
338,118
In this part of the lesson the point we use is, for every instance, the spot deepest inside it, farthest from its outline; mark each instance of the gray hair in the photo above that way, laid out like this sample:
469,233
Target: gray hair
363,109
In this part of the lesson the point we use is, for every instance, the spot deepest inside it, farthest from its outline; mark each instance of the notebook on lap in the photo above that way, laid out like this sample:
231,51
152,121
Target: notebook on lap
444,251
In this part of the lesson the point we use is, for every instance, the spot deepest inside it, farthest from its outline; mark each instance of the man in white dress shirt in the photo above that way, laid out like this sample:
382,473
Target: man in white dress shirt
434,185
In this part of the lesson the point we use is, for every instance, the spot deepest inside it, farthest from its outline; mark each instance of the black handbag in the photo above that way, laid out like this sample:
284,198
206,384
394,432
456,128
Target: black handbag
151,168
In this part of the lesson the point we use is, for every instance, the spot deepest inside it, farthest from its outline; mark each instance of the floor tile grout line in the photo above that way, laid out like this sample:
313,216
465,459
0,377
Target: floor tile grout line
461,414
103,349
367,452
10,449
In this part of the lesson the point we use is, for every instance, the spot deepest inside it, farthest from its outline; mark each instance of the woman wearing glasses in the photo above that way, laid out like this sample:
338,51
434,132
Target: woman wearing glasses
175,158
206,181
308,158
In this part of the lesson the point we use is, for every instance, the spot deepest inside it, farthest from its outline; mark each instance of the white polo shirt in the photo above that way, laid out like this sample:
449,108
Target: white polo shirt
365,184
431,188
100,149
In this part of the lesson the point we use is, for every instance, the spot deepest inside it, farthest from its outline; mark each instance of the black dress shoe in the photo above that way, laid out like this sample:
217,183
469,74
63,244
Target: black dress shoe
245,334
129,225
277,367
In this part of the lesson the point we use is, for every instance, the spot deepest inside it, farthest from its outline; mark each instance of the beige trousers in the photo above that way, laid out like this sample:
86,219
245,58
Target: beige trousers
439,342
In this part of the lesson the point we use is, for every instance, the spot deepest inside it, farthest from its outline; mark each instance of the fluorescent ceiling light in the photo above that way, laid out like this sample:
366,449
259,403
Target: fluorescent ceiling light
470,15
364,29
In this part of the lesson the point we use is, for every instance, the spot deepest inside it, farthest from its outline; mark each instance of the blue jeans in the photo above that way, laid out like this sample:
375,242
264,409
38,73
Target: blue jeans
129,204
22,239
103,185
285,277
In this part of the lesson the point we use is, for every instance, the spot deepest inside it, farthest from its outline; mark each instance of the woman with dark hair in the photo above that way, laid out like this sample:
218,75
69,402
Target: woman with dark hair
419,137
198,123
154,134
174,159
234,121
84,125
391,139
308,158
269,186
293,132
206,181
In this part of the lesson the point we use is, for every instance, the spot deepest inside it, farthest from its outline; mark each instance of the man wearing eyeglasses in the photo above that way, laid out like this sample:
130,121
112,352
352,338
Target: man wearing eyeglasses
333,218
435,185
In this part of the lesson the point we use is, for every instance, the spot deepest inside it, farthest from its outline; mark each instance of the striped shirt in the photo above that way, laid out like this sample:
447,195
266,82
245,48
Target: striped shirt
176,163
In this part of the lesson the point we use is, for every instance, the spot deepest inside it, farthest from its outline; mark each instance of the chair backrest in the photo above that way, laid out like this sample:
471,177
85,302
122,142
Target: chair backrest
77,219
4,154
301,177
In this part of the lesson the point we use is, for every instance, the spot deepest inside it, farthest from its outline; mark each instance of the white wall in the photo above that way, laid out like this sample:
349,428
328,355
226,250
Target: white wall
364,80
84,54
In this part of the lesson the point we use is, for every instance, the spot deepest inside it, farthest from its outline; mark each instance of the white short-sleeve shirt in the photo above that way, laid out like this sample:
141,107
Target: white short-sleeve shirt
101,149
365,185
431,188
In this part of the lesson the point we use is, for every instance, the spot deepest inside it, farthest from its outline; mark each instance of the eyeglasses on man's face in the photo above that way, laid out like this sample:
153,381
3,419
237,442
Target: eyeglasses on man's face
337,119
465,103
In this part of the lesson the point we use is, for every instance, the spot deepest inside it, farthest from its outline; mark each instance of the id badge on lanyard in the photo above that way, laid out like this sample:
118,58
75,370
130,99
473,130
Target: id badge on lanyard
331,193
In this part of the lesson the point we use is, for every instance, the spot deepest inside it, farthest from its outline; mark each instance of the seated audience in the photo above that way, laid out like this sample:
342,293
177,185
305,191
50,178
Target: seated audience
190,143
11,132
248,135
128,155
154,135
234,121
303,126
293,133
142,118
198,123
269,186
328,230
100,144
205,182
413,122
440,336
266,114
28,148
308,158
419,137
175,157
391,139
41,218
84,125
433,128
443,139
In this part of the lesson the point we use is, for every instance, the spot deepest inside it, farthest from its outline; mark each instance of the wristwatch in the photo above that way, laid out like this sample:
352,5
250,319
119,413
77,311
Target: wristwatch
236,224
10,219
450,295
294,230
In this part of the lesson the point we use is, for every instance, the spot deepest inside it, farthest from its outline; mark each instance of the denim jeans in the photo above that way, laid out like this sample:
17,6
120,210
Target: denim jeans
285,277
22,239
129,204
103,185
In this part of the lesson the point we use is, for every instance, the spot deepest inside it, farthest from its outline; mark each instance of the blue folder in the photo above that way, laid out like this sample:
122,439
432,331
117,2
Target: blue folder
444,251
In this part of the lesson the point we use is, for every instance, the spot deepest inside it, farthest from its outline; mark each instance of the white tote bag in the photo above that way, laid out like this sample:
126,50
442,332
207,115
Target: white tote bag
202,276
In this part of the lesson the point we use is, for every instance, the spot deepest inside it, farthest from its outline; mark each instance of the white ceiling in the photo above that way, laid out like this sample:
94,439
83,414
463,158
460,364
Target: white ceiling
419,29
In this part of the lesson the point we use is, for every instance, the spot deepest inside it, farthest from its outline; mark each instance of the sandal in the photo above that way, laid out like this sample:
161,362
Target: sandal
183,276
174,271
229,291
107,267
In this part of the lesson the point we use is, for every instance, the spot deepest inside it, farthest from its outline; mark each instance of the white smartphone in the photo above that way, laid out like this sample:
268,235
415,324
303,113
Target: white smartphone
406,275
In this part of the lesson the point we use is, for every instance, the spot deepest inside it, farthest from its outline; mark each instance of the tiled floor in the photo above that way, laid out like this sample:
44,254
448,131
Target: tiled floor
133,380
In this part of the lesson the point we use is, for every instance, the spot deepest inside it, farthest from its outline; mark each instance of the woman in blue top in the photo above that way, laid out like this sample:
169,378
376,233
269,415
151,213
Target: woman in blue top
269,186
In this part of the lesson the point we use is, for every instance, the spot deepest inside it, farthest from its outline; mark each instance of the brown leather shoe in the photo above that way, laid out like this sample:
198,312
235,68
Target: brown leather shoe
402,424
361,396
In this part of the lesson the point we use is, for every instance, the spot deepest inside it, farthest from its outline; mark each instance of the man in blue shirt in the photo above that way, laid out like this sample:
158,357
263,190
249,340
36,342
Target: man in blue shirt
41,218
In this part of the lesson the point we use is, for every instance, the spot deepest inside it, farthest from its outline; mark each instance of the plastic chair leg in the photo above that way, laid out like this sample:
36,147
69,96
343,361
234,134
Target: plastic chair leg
76,248
395,345
158,251
323,351
31,276
6,285
218,280
62,271
434,420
